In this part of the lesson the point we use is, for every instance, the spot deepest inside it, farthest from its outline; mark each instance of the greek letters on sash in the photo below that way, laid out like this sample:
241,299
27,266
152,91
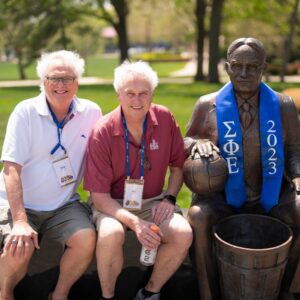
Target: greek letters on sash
231,146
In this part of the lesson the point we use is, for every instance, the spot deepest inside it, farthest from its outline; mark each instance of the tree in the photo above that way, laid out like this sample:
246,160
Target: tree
288,40
27,26
21,30
278,19
118,19
214,33
200,29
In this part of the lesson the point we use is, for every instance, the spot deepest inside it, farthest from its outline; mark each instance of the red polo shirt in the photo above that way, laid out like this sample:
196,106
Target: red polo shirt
105,167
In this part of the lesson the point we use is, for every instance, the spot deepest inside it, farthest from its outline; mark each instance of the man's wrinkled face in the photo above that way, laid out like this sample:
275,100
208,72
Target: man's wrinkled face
245,68
135,97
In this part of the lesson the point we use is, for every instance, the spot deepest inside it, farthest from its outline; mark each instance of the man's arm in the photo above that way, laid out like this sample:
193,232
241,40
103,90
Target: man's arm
104,203
165,209
22,232
291,127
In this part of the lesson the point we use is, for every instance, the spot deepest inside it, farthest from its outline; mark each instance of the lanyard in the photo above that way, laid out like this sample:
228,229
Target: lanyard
127,148
59,126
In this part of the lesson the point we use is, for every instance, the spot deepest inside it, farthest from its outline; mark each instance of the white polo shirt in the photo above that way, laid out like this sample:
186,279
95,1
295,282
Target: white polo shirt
31,135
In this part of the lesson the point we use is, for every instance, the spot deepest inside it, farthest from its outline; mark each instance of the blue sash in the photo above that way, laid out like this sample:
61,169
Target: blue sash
231,146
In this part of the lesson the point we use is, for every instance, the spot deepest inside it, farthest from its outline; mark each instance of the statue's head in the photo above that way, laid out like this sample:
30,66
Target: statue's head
246,63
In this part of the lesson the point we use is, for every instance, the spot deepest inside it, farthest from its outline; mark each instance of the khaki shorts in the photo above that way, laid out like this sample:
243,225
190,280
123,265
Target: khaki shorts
145,213
58,224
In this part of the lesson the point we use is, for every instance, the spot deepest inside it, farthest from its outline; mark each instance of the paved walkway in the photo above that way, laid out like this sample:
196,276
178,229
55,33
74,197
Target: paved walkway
183,76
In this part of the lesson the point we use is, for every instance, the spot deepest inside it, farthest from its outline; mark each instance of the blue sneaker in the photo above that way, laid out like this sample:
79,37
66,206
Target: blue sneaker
140,296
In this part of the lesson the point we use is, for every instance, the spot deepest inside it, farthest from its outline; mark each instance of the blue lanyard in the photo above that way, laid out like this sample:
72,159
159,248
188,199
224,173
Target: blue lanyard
59,126
127,148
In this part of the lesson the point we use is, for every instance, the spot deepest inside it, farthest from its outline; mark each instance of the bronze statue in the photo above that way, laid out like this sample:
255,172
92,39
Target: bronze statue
257,131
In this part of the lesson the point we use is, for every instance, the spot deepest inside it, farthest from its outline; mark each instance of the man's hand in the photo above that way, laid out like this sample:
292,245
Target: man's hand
204,148
21,236
162,211
146,236
296,183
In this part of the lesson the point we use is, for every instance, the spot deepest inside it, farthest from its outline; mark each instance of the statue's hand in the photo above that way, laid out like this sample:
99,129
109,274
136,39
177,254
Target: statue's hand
296,183
204,148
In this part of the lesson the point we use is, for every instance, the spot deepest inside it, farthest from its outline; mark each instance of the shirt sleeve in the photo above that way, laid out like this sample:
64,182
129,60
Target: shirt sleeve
98,167
16,146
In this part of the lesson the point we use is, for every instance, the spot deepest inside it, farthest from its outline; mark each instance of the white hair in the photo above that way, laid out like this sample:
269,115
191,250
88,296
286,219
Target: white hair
140,69
67,58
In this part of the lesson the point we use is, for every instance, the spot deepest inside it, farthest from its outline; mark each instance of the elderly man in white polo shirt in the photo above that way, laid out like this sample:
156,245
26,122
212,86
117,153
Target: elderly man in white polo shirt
43,155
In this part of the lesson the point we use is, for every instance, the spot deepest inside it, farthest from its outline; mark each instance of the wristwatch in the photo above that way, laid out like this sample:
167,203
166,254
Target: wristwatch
170,198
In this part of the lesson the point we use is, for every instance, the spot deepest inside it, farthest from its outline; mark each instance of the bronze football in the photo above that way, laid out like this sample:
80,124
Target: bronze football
205,175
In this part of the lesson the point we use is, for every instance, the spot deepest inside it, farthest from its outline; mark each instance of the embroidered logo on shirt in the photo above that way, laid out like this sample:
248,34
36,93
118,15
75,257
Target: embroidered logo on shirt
154,145
83,136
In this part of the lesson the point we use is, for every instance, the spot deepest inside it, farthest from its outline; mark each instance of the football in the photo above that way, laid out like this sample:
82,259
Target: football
205,175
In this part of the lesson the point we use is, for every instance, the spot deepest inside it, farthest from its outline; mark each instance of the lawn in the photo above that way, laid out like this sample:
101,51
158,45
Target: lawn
99,66
179,98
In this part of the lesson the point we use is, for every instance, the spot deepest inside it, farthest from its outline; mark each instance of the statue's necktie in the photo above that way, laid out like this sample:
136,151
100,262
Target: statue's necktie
246,117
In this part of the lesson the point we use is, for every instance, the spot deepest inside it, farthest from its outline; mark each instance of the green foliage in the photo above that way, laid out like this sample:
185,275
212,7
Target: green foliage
28,27
267,20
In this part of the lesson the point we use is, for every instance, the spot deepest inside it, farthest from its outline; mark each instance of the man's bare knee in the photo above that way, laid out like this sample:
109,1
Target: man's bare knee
84,239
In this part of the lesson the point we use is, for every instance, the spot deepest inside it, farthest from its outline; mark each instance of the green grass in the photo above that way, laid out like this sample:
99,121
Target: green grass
179,98
164,69
98,66
9,71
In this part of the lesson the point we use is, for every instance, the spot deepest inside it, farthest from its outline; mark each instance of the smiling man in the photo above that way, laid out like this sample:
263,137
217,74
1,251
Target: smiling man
43,155
128,155
258,133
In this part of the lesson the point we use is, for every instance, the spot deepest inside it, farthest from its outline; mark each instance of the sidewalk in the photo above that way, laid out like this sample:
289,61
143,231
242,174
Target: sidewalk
183,76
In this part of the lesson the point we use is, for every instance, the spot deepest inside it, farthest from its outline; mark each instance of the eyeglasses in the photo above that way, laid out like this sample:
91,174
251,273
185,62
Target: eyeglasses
238,67
64,80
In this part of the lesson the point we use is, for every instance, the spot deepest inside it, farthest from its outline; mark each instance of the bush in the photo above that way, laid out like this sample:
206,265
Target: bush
161,57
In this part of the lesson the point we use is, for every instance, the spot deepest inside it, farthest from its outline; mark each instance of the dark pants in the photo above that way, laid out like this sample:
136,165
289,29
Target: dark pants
206,211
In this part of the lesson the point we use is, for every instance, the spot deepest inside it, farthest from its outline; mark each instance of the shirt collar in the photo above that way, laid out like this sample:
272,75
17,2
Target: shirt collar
43,109
253,101
118,128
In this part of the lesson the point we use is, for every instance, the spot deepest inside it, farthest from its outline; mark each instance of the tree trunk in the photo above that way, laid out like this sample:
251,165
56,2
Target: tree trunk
215,27
288,40
64,41
200,13
121,27
21,69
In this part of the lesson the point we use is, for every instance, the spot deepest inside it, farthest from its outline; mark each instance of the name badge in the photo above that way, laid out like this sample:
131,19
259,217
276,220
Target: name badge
133,194
63,170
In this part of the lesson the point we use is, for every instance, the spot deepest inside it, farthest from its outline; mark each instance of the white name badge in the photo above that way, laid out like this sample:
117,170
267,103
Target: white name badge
63,170
133,194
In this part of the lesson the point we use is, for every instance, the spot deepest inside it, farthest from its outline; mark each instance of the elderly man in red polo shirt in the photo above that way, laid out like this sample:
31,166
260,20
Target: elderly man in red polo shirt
128,156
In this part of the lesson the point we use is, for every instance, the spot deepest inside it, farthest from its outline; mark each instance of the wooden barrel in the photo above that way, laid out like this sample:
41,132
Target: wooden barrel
252,252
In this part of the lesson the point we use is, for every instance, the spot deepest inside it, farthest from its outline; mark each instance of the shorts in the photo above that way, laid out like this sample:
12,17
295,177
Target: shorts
145,213
58,224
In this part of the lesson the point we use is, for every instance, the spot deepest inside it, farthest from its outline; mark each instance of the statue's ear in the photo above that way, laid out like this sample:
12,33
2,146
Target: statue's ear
226,66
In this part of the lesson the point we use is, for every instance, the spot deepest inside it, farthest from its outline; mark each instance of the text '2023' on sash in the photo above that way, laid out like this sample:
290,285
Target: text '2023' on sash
231,145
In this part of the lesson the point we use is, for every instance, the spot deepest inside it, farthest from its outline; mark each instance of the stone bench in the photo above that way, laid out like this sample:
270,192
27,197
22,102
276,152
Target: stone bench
43,273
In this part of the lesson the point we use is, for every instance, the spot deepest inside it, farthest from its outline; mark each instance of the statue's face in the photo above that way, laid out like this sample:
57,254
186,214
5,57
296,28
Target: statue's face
245,68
